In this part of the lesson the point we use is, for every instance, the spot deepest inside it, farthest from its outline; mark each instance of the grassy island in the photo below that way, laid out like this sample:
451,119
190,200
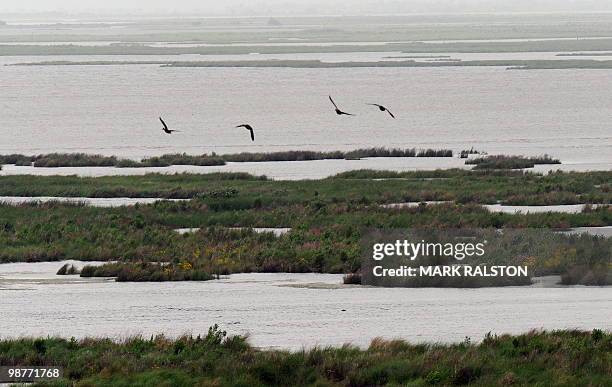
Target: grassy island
327,219
510,162
56,160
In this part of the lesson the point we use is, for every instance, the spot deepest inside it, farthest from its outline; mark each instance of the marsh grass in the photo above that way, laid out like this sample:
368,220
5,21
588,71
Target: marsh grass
374,187
370,174
172,159
68,269
243,191
326,217
588,275
56,160
325,238
468,152
17,159
352,279
575,358
147,272
510,162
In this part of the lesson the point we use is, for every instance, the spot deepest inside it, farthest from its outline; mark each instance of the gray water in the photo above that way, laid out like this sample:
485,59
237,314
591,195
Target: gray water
565,208
605,231
94,202
328,57
507,209
277,231
284,310
114,110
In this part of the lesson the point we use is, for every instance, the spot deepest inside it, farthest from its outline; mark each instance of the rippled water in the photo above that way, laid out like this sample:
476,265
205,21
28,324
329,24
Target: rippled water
114,110
284,310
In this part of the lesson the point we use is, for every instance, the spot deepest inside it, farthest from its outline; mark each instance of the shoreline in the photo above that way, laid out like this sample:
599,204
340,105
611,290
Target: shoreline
271,309
535,357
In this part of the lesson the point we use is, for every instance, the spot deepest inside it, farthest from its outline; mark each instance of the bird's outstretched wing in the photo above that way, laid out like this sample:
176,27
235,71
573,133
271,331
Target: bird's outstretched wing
163,123
383,108
333,103
249,128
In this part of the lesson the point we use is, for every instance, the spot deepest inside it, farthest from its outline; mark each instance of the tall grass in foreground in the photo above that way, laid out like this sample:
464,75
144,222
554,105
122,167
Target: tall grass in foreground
557,358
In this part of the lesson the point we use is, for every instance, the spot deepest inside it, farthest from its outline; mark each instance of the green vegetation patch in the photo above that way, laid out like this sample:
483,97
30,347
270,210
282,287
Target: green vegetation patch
510,162
147,272
55,160
326,217
537,358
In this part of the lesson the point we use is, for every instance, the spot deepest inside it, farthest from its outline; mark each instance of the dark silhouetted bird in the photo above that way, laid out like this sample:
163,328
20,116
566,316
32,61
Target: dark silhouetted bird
382,109
338,111
249,128
165,128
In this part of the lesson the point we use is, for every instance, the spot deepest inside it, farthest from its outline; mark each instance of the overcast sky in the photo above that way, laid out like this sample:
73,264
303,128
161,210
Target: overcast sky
297,7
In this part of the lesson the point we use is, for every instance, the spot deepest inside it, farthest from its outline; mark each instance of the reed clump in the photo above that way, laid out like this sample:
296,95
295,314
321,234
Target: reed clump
510,162
68,269
352,279
147,272
172,159
55,160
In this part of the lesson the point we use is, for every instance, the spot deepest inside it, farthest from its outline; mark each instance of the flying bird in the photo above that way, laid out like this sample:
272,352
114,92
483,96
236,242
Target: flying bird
382,109
338,111
165,128
249,128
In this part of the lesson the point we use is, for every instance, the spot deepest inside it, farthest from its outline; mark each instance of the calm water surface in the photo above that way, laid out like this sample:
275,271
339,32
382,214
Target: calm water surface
284,310
114,110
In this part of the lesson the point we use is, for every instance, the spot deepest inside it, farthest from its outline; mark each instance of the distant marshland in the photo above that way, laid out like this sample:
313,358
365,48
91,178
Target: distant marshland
55,160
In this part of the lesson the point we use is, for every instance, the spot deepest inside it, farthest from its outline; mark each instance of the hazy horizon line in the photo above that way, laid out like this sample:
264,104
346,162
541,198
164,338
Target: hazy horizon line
201,14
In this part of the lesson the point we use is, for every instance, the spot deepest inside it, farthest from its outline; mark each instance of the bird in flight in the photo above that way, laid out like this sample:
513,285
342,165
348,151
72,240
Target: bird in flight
382,109
249,128
338,111
165,128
